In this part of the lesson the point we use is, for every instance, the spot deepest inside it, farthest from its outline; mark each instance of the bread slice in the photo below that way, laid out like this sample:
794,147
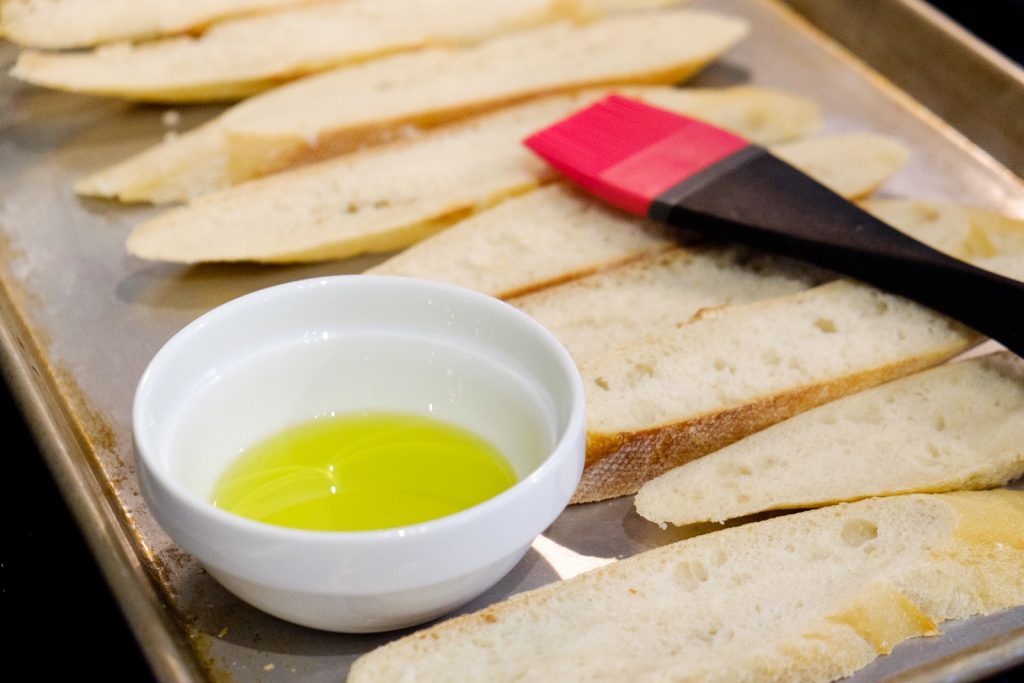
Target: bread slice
339,110
83,23
958,426
184,169
550,235
393,195
868,159
240,57
658,293
987,239
557,234
659,402
812,596
600,310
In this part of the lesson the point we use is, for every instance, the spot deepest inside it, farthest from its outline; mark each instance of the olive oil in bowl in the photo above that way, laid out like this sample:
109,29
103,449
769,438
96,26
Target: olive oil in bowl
363,471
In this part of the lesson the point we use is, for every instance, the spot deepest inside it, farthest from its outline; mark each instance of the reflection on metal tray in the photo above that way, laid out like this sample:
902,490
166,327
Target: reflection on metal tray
80,320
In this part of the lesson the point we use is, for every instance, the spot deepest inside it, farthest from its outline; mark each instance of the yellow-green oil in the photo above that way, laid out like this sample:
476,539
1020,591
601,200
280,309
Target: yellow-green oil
363,471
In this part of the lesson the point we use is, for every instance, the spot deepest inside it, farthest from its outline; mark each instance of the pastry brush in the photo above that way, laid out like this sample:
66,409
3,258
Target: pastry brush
693,175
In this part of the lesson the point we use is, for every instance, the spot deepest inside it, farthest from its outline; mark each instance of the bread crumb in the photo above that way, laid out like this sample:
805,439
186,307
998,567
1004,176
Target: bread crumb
268,667
171,118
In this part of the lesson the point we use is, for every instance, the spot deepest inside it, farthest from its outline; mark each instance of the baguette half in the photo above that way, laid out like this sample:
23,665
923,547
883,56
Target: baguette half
660,402
658,293
557,234
340,110
987,239
600,310
392,195
958,426
240,57
83,23
812,596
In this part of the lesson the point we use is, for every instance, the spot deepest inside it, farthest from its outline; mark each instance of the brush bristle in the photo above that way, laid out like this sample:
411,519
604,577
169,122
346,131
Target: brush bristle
628,152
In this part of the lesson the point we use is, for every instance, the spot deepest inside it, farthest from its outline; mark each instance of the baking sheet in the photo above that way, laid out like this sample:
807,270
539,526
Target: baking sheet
81,319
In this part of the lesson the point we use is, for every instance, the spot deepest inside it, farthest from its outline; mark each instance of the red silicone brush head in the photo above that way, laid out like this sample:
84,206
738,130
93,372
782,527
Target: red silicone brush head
628,152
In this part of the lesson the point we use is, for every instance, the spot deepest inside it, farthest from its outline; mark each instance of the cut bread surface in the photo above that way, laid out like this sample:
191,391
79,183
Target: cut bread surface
869,157
987,239
659,293
393,195
958,426
342,109
659,402
558,234
82,23
812,596
237,58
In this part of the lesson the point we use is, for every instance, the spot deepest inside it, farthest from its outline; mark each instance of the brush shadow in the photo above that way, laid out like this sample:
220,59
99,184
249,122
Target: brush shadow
720,74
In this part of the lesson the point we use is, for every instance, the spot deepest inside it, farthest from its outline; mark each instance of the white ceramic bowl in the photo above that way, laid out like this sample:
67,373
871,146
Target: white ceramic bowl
290,353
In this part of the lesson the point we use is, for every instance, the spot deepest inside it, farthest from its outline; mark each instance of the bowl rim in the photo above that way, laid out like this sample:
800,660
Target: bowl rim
574,428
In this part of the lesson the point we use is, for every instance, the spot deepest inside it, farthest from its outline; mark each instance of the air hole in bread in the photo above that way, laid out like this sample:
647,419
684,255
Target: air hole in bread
740,579
857,532
601,382
757,119
643,369
940,423
691,574
826,325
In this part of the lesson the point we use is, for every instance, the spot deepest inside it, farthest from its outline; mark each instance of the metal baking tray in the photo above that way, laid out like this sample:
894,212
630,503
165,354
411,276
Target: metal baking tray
79,318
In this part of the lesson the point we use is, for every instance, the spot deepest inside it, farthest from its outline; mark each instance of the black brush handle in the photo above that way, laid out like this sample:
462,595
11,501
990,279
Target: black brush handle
757,199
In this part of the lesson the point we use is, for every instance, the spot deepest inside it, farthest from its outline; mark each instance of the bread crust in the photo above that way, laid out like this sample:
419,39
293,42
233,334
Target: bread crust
619,463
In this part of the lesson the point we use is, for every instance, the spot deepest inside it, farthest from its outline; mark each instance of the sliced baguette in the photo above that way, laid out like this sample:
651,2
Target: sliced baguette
393,195
958,426
237,58
599,310
544,237
83,23
558,234
987,239
658,293
659,402
868,158
340,110
812,596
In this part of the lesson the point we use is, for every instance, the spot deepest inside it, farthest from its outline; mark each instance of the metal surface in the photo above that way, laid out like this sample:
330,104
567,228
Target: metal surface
962,80
80,320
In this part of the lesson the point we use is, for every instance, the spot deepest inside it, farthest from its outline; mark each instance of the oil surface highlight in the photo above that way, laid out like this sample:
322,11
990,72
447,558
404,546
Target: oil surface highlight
361,472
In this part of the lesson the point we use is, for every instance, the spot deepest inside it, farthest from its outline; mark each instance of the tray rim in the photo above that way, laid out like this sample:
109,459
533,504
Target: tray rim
995,76
71,462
